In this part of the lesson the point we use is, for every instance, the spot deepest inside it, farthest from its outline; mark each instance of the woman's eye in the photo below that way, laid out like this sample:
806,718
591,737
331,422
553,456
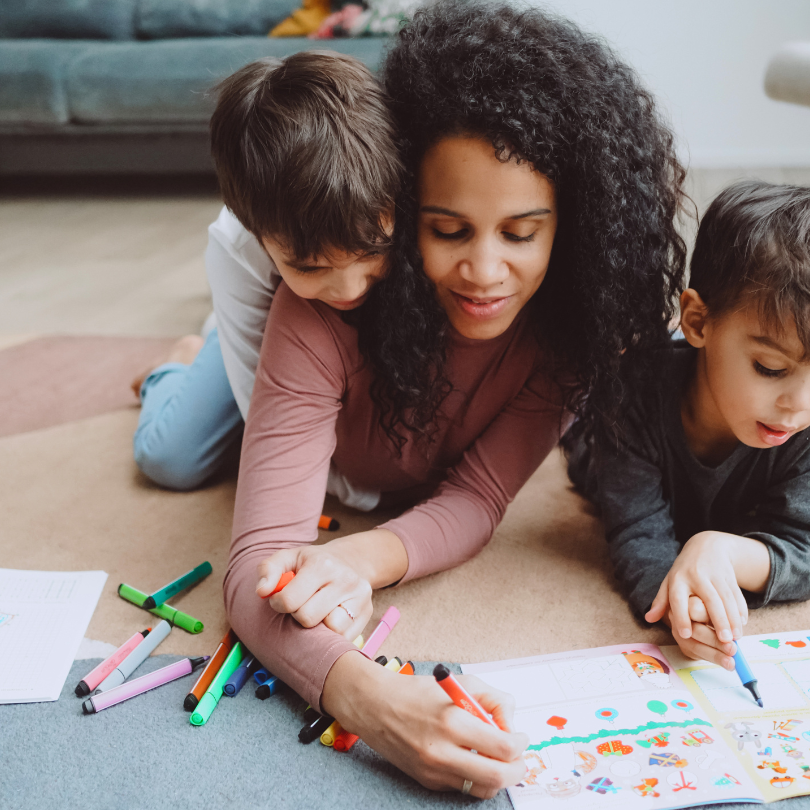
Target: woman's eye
512,237
460,234
768,372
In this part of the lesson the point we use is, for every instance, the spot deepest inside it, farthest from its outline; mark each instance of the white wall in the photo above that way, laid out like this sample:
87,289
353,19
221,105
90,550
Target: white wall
705,60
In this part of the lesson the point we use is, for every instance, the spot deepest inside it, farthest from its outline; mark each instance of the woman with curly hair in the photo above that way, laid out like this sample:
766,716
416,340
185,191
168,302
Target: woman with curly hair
535,270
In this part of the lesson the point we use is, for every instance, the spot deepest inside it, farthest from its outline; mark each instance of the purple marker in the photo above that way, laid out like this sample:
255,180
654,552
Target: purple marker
118,694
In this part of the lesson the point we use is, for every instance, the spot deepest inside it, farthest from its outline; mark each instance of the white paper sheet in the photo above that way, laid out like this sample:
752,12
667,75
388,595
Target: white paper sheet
43,618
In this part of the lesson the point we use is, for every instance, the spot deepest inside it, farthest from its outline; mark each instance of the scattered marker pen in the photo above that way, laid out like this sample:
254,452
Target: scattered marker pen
135,658
93,678
208,674
269,684
210,700
240,675
179,669
387,624
179,584
167,612
746,676
459,695
330,524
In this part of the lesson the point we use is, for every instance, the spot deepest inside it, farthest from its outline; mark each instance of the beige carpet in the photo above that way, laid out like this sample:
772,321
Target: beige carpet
72,499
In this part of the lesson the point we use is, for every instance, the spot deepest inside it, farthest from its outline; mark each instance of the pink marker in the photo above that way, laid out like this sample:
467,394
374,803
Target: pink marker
118,694
381,631
96,676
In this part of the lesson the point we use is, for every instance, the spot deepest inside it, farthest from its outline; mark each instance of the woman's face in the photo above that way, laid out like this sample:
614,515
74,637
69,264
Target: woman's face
485,233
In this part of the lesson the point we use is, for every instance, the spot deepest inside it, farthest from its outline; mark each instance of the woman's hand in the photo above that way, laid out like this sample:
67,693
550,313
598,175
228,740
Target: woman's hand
705,569
325,589
413,724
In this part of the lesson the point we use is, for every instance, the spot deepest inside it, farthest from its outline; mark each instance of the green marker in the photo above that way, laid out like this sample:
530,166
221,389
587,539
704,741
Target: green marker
180,584
170,614
209,700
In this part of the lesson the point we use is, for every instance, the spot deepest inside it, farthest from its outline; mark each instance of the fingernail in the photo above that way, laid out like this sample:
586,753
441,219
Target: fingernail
262,583
725,635
729,663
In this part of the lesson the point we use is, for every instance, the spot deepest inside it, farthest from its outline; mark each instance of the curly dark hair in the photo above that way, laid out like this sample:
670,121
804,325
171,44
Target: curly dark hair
540,90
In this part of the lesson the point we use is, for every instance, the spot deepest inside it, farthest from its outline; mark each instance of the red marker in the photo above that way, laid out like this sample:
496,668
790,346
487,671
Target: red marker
284,579
459,695
330,524
344,741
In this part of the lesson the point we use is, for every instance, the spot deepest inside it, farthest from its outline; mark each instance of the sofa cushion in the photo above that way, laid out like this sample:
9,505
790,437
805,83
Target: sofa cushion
170,81
67,19
32,80
165,19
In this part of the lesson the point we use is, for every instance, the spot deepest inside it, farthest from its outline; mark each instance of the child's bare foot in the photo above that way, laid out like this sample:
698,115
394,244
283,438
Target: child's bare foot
184,351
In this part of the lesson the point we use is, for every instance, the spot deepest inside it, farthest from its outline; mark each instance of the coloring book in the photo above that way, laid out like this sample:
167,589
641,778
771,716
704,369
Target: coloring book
641,726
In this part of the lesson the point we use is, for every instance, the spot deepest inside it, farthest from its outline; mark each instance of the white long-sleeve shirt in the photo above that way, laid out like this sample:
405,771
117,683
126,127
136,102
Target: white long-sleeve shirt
243,281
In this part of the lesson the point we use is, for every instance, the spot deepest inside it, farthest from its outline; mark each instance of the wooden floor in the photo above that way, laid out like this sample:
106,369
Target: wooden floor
126,257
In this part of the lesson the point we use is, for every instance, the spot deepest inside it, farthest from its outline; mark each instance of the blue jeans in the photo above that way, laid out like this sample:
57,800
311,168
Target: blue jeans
189,420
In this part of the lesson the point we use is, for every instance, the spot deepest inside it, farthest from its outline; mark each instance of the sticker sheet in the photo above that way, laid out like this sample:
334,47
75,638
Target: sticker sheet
615,727
773,743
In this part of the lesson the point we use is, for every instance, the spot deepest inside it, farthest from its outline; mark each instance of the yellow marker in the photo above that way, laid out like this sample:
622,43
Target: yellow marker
394,664
329,736
359,641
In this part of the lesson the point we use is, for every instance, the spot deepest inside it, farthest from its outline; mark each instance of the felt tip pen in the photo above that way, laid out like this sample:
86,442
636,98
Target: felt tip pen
330,524
210,699
167,612
344,741
135,658
211,668
269,684
459,695
138,686
381,631
746,676
240,675
93,678
180,584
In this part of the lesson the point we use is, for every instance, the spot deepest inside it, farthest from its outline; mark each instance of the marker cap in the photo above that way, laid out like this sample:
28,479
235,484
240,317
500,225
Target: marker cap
204,709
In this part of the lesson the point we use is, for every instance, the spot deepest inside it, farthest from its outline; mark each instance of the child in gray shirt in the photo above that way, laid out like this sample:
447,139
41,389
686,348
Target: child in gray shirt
706,496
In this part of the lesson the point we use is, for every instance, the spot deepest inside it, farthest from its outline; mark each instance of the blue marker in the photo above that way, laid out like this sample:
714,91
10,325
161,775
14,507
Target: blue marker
240,675
746,676
268,684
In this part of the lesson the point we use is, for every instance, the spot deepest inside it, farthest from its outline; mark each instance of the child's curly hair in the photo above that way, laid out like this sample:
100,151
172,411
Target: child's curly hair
540,90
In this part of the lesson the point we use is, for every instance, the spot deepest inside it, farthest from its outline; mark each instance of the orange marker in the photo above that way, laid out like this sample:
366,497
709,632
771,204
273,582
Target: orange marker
330,524
210,671
459,695
344,741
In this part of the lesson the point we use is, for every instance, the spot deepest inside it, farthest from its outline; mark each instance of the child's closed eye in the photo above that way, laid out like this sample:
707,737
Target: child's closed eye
768,372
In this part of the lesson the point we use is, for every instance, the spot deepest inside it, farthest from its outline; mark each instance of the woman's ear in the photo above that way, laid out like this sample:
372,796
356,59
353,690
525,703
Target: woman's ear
694,316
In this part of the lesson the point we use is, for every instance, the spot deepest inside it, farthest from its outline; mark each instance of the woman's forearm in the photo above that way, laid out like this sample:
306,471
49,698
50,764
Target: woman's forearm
378,556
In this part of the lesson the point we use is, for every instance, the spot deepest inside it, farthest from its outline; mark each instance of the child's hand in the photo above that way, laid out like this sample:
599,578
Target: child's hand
705,569
703,643
325,589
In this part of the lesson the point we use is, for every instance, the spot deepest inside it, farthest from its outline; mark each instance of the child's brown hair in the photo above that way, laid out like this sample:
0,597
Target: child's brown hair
306,154
753,246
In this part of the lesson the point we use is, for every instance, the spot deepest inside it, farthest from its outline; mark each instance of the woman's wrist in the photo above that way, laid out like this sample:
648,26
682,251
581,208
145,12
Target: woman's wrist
348,686
378,556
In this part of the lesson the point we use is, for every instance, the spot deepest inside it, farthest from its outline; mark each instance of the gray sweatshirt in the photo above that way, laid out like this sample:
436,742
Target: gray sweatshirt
654,495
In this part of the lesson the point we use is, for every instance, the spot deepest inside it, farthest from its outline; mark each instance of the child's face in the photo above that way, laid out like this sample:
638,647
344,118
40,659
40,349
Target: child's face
485,233
342,280
756,382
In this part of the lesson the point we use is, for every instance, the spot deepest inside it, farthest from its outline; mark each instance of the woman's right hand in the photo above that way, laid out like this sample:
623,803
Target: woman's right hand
413,724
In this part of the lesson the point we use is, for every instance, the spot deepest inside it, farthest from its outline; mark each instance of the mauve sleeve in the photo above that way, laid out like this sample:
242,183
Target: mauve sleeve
288,443
460,518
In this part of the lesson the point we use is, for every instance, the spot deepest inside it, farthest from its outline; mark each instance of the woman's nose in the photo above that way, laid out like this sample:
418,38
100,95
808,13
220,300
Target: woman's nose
483,265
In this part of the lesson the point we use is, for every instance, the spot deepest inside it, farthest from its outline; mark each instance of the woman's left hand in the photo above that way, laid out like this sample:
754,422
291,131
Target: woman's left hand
325,589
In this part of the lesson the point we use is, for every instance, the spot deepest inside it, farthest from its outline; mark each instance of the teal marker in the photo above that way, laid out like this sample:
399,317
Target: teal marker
210,699
180,584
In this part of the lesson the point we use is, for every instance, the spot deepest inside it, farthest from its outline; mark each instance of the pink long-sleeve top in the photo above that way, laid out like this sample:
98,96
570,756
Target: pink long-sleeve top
311,404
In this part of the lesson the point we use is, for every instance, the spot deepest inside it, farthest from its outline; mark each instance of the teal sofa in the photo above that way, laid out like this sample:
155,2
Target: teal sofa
123,86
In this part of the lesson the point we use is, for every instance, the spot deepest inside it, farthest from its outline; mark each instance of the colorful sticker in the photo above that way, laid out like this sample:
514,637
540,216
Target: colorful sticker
603,785
682,780
647,788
